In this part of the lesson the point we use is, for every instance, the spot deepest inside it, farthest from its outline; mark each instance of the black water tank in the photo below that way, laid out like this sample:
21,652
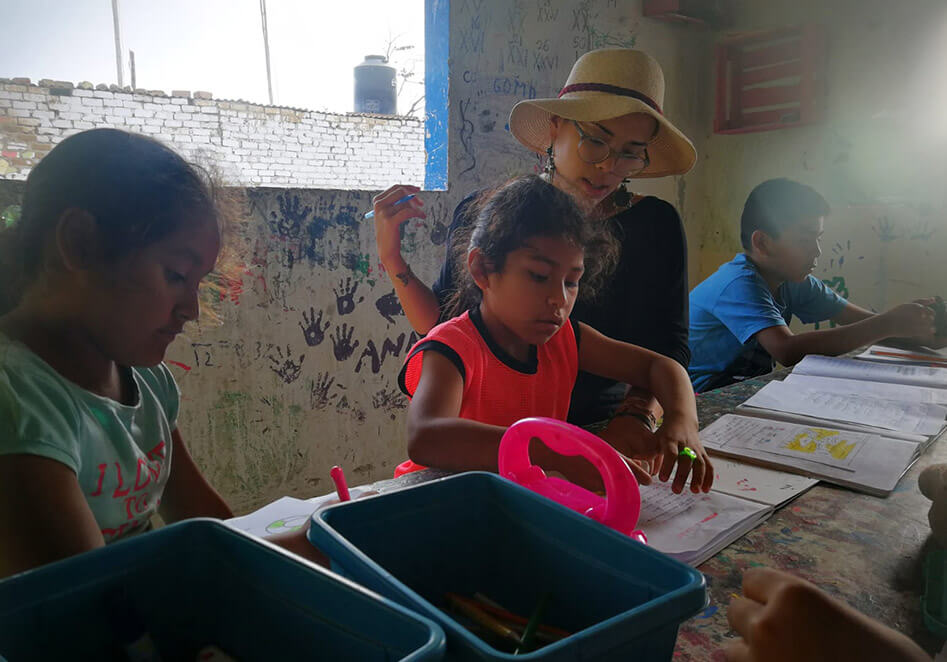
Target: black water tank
375,86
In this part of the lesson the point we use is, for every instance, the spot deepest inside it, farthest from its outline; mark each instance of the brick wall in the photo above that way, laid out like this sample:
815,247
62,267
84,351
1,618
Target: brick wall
249,144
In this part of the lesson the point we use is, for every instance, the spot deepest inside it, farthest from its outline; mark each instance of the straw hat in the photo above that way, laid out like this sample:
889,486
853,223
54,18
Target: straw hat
603,84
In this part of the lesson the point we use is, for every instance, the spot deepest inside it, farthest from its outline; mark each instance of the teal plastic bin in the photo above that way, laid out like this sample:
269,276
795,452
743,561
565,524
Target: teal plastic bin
479,533
198,583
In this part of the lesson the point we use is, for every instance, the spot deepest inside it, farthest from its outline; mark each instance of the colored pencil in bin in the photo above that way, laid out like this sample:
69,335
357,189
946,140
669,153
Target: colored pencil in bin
526,641
472,611
545,632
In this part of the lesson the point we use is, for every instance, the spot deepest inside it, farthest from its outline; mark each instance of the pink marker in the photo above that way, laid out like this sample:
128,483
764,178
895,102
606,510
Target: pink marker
340,487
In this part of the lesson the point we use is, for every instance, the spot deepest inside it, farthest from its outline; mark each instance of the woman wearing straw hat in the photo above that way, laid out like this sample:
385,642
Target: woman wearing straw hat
605,127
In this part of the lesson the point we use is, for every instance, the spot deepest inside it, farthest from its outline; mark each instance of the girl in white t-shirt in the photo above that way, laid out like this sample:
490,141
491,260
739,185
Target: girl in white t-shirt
97,277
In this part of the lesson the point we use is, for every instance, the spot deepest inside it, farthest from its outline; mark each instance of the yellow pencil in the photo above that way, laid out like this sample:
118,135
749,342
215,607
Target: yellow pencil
476,614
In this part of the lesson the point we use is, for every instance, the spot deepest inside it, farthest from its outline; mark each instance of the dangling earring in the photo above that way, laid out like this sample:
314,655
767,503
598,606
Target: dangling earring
550,168
621,197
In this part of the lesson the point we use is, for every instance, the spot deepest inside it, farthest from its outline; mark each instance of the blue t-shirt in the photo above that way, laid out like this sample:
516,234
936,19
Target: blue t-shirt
734,304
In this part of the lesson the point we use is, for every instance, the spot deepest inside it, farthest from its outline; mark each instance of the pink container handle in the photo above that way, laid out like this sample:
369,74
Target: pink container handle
620,507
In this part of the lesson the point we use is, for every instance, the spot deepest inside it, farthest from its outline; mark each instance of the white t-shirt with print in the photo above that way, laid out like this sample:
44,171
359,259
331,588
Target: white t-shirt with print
120,453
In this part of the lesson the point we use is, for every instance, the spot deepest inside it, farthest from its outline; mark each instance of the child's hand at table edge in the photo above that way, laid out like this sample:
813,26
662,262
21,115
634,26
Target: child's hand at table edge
782,618
680,431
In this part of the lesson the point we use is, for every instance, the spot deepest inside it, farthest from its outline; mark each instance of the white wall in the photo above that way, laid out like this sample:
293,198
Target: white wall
249,144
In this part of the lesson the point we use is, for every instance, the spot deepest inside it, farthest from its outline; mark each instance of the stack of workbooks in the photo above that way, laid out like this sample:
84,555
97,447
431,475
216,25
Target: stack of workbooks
853,422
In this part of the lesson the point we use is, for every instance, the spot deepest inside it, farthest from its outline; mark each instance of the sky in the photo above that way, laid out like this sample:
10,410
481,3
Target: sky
217,45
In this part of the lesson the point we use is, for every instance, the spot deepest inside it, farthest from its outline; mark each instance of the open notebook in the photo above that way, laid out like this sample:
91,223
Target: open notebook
865,462
915,420
874,371
899,392
694,527
756,483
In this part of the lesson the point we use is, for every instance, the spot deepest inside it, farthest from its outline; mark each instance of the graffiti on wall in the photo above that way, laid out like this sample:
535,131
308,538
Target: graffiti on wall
303,373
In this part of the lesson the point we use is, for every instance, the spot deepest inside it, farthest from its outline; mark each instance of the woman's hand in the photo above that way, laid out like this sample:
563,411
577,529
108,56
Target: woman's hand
418,302
680,431
389,218
636,443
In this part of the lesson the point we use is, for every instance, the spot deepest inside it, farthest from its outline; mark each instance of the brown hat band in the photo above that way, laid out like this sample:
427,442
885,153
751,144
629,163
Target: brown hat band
611,89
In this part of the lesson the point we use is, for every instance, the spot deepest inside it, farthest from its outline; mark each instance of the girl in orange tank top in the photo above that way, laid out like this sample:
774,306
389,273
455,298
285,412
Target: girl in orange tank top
512,352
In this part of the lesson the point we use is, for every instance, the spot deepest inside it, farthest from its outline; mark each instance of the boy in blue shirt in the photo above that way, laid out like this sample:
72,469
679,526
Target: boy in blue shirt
739,316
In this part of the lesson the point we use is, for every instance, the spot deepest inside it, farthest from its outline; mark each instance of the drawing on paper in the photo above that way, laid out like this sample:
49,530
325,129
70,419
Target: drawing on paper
819,441
831,447
286,524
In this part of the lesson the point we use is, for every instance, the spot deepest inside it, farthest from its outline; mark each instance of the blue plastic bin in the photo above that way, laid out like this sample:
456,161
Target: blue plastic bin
197,583
477,532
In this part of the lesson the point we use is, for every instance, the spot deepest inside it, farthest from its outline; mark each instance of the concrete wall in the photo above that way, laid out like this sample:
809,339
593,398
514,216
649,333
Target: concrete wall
302,374
249,144
879,156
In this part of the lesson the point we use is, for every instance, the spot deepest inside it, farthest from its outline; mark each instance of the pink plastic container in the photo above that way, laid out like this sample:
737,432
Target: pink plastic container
621,505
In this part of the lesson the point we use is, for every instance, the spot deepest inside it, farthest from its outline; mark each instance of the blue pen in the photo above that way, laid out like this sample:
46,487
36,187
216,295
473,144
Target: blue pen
371,214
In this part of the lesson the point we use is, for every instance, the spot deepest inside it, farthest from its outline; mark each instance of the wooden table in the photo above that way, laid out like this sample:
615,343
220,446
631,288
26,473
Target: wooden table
865,550
862,549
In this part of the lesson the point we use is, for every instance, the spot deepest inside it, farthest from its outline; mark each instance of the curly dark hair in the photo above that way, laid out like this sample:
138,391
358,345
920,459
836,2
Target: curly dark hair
501,220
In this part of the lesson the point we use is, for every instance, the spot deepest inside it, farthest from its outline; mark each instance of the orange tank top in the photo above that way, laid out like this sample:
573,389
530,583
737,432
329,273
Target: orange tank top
498,389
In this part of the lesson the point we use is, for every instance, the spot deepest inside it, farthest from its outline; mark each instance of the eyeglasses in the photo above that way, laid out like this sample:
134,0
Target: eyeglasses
596,150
